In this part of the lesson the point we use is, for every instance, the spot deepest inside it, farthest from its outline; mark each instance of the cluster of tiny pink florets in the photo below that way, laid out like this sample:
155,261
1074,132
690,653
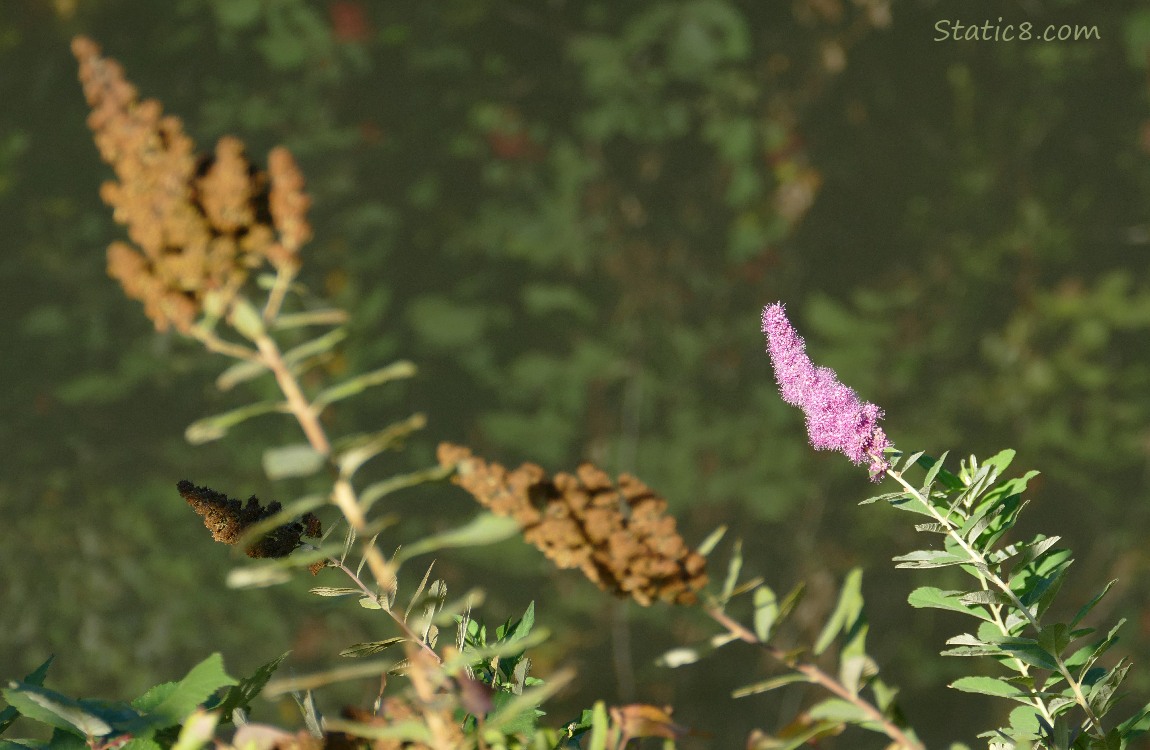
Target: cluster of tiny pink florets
836,418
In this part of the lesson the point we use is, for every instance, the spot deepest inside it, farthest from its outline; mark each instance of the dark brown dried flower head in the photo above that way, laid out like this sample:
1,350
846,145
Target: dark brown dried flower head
227,519
199,224
617,534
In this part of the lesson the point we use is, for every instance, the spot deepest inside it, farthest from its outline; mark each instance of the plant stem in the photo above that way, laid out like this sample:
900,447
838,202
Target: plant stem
818,677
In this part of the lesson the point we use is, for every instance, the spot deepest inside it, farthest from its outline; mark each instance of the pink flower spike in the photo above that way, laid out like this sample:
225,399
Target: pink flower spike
836,419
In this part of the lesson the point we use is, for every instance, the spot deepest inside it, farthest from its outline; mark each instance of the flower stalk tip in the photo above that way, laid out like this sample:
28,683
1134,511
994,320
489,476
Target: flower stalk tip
836,418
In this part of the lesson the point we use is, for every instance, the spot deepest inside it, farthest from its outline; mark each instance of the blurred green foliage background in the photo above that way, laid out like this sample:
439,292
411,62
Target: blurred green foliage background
569,214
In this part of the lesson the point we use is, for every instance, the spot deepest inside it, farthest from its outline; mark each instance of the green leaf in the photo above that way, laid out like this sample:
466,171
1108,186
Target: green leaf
57,710
352,453
486,528
240,372
240,695
769,684
378,490
360,383
355,671
734,567
35,678
521,628
1024,721
929,559
599,727
330,591
213,428
173,701
1086,608
839,710
990,686
296,460
707,545
766,611
197,730
371,648
1029,651
246,319
1054,637
319,345
846,612
929,596
984,597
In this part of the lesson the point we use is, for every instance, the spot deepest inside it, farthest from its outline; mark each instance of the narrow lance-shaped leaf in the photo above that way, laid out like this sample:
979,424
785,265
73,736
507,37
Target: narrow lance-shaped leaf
319,345
354,452
360,383
213,428
846,611
484,529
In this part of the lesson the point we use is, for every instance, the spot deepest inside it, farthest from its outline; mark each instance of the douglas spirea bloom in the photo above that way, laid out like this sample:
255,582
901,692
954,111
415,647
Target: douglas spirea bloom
836,418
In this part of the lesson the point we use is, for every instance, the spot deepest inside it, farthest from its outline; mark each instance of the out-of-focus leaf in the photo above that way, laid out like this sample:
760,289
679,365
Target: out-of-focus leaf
356,385
769,684
846,611
320,679
197,730
484,529
213,428
371,648
240,695
297,460
352,453
34,678
378,490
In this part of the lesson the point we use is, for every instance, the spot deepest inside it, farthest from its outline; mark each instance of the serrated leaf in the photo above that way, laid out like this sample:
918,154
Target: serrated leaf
1028,651
371,648
36,679
929,596
984,597
1054,637
330,591
240,695
886,496
1086,608
929,559
360,383
296,460
1024,721
933,467
174,701
911,461
990,686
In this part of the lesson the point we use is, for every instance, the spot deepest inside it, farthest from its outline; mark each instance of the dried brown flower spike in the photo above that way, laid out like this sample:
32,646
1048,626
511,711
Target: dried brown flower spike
617,535
227,519
199,223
